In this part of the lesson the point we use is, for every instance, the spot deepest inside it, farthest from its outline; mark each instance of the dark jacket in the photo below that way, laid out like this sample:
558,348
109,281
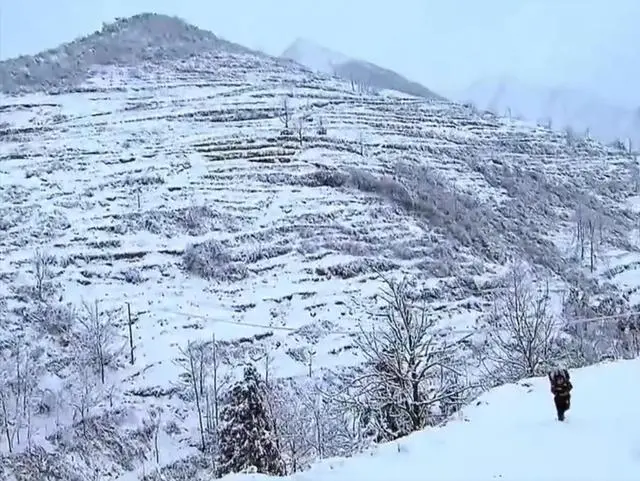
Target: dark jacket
560,383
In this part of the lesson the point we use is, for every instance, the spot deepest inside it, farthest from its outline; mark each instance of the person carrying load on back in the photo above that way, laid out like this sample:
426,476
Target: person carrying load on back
561,389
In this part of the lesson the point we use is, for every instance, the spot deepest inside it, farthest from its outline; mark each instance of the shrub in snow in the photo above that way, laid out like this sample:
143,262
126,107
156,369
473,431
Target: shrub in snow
133,276
52,318
36,464
211,261
105,436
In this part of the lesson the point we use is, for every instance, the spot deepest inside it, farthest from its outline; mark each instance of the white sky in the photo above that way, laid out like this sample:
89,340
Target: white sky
444,44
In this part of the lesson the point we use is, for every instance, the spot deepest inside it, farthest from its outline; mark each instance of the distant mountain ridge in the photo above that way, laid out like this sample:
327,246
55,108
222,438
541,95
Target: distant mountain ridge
322,59
560,108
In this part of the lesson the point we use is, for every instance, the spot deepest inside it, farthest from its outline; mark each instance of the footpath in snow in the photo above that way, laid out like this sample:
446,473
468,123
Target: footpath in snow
511,434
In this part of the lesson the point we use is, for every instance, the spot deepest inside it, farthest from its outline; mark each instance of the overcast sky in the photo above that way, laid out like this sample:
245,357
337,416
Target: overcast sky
444,44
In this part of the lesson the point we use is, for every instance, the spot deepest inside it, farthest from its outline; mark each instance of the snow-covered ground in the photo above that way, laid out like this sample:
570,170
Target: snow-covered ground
116,178
511,434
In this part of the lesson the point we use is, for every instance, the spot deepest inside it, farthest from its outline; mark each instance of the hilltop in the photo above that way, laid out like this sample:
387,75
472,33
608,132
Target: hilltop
147,38
219,200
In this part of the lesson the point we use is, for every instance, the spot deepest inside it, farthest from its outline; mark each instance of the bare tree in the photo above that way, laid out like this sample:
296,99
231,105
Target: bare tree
522,338
595,235
215,380
84,391
409,370
98,336
42,264
634,172
202,364
300,125
507,113
589,233
18,381
570,135
322,130
311,423
285,112
194,364
292,419
581,229
361,143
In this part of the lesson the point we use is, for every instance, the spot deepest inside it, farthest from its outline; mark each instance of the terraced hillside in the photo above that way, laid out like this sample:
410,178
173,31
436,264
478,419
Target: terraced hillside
238,197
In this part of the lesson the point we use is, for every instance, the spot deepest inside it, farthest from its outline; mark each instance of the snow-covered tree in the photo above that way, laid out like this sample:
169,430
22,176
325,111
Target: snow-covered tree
522,339
97,337
42,264
246,435
18,383
411,371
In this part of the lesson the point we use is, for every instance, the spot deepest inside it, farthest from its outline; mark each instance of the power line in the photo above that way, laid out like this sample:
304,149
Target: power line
478,330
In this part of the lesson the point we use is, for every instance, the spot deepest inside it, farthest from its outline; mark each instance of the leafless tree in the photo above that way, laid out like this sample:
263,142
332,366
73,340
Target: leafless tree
634,172
84,391
522,339
581,229
285,112
18,381
311,424
507,113
293,421
322,130
570,135
361,143
42,264
589,233
595,229
216,380
98,336
202,364
193,361
300,125
410,367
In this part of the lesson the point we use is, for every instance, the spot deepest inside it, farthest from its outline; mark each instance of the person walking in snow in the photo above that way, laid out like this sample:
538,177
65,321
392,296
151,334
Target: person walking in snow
561,389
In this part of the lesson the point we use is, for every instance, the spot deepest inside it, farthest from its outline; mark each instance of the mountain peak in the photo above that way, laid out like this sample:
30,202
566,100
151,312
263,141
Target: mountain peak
322,59
314,56
155,25
128,42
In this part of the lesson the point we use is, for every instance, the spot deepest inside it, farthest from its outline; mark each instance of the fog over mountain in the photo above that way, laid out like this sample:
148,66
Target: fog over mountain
365,73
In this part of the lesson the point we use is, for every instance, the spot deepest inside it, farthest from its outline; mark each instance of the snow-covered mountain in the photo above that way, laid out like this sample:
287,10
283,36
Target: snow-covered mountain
559,107
510,434
160,205
366,74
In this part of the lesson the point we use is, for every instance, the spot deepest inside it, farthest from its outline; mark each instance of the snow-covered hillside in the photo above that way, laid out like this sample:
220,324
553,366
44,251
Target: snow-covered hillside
364,75
245,204
511,434
560,108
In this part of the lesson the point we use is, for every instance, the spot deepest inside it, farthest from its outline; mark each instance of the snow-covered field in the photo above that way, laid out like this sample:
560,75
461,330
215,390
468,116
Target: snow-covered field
511,434
172,191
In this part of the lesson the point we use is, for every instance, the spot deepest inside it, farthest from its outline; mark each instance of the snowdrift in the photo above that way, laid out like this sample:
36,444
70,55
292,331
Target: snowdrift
511,434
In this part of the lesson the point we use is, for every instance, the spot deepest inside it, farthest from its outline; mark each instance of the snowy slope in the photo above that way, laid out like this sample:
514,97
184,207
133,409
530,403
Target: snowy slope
359,72
119,171
562,107
511,434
